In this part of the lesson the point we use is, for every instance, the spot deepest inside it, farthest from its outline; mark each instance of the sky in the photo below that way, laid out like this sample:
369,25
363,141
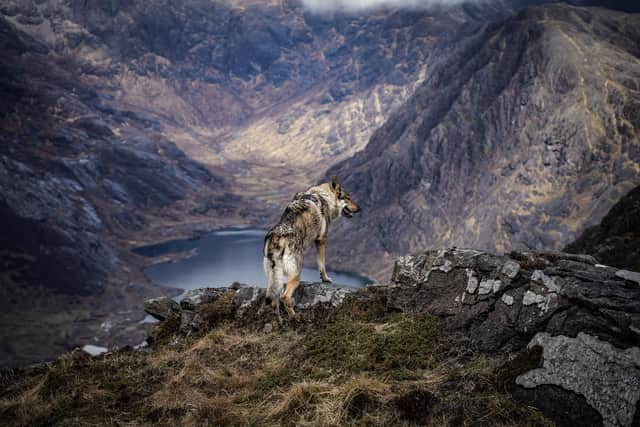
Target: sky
359,5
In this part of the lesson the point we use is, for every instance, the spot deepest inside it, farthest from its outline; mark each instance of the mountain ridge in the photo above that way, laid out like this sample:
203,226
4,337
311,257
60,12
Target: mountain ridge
502,164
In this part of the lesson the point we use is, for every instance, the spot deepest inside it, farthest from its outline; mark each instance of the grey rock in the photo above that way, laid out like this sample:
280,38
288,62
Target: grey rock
549,282
485,287
410,270
488,285
507,299
629,275
246,297
249,301
608,377
510,269
310,294
531,298
195,297
161,308
188,322
472,281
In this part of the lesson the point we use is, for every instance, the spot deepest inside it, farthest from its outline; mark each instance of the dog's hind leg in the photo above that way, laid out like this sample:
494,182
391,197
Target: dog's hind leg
273,271
321,246
292,285
292,268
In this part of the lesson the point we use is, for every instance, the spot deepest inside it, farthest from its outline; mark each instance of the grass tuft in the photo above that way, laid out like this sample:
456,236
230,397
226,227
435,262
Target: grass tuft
404,344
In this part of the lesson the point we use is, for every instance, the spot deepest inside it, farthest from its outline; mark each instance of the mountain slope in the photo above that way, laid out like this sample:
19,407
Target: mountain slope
79,182
520,138
247,86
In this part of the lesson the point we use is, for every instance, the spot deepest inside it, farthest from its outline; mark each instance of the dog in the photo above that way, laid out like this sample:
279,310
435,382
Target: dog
305,221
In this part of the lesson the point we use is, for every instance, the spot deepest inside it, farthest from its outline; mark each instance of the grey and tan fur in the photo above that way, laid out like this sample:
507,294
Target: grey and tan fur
305,221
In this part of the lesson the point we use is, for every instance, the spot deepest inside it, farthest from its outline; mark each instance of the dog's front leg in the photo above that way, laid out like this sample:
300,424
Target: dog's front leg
321,246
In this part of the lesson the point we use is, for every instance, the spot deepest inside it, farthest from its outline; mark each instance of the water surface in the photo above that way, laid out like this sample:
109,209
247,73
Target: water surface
223,257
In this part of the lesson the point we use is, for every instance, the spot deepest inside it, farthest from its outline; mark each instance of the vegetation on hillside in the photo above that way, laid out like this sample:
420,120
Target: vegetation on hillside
361,366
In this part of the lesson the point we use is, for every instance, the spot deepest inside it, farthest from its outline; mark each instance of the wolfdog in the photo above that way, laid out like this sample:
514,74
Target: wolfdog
305,220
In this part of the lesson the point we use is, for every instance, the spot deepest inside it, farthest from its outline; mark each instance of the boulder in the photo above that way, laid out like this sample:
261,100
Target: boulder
247,300
194,297
161,308
311,294
607,377
501,302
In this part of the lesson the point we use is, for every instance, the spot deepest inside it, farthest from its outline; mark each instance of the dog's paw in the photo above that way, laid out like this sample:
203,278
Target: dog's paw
326,279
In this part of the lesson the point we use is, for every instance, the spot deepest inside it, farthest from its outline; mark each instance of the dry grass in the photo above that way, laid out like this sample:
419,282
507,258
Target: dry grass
386,371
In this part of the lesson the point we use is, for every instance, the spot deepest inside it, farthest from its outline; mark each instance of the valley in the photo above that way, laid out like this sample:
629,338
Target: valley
493,126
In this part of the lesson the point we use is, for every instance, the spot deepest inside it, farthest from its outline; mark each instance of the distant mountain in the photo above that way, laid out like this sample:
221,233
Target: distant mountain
520,137
616,240
245,86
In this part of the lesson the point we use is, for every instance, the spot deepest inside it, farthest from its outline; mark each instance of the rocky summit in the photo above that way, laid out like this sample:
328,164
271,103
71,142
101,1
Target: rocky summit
566,328
535,338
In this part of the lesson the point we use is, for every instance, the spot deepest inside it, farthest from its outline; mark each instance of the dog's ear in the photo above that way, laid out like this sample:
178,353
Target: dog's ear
334,182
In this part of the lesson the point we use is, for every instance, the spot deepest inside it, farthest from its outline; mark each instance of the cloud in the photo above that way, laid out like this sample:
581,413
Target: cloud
360,5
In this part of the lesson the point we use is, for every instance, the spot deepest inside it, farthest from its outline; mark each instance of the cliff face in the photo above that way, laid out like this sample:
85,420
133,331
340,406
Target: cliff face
616,240
520,138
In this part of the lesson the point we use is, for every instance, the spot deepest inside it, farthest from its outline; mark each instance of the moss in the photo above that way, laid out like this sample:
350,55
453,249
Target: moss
166,330
212,314
369,307
272,381
404,343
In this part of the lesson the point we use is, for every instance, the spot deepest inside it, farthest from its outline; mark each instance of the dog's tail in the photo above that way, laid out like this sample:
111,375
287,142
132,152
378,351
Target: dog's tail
273,250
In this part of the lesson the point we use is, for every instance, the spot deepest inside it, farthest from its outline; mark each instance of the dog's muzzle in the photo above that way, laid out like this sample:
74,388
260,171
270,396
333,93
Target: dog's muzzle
348,212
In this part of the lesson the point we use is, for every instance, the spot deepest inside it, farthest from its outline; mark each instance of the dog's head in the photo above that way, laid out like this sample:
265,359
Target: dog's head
346,204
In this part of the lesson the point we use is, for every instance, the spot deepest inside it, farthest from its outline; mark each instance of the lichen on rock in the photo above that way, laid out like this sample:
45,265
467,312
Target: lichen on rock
608,377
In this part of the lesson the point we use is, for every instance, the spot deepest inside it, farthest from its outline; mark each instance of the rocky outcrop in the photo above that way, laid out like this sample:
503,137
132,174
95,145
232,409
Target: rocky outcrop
161,308
241,302
584,316
503,301
566,329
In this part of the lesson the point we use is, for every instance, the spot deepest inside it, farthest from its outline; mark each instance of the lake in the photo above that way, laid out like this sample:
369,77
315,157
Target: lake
223,257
